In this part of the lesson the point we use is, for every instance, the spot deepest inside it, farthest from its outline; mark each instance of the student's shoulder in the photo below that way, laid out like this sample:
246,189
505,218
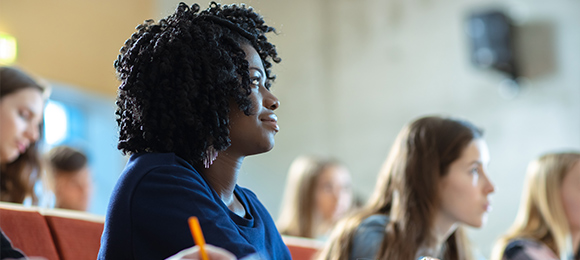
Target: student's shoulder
528,249
371,228
374,221
368,236
144,163
156,167
156,160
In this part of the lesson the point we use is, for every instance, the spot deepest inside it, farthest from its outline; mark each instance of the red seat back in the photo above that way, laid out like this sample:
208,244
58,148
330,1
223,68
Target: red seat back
302,248
75,239
28,231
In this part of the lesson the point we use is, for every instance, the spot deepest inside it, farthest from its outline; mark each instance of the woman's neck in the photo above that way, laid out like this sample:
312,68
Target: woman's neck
320,226
575,240
222,176
443,228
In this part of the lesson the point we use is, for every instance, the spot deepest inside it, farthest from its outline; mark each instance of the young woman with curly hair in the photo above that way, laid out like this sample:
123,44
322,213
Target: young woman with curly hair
433,182
194,100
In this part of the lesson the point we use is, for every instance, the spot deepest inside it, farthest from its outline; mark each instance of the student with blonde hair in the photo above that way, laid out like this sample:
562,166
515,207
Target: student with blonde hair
433,182
318,193
548,222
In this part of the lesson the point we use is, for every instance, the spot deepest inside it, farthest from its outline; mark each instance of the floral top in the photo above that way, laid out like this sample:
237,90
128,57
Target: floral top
525,249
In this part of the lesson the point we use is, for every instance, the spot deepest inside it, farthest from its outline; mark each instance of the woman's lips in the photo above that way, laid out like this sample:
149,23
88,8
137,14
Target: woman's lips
272,121
487,207
21,147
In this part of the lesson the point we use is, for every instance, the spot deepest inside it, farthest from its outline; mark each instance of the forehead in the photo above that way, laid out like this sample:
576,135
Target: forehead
252,57
574,172
334,173
476,150
28,97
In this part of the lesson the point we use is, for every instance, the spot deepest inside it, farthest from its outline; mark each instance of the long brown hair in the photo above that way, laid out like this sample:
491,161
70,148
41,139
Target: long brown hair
406,191
17,178
541,215
297,210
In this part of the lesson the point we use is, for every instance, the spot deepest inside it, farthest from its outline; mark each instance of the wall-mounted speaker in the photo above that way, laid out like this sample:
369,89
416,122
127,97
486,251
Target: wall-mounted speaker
491,35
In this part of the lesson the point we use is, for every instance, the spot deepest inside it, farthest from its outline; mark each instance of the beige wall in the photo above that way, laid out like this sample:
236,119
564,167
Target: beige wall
354,72
403,59
74,42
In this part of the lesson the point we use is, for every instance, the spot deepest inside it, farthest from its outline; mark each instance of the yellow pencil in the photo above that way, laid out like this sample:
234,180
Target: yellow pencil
198,236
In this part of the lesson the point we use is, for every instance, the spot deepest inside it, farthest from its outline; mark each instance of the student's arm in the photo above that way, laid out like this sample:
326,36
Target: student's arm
528,250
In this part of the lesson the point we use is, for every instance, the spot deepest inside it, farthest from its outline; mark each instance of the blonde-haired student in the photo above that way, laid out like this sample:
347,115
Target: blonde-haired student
548,222
318,193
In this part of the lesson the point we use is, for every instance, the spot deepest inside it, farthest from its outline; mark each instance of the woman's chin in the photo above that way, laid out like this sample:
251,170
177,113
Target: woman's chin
262,148
10,157
267,146
477,223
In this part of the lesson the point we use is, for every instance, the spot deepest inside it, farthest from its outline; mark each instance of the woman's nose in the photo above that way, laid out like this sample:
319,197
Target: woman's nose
271,101
32,132
275,105
489,187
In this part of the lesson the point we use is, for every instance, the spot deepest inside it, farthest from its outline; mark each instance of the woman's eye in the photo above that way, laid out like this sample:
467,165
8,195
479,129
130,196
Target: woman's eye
255,81
475,171
24,115
327,188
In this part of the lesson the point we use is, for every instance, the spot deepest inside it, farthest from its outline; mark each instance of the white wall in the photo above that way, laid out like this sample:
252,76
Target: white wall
354,72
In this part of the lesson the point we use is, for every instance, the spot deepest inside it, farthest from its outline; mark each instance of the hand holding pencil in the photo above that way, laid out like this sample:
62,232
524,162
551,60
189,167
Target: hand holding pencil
201,251
198,236
193,253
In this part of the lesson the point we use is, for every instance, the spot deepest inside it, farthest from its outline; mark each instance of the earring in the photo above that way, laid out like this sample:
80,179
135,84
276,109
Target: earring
210,156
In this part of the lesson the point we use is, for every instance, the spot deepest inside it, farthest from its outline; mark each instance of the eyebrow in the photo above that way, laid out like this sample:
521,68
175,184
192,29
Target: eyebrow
30,110
258,69
476,162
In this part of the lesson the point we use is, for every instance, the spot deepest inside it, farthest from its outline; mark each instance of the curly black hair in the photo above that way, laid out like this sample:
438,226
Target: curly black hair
179,76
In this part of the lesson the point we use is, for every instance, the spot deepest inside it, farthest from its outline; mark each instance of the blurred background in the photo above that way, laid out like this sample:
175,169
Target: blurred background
353,73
